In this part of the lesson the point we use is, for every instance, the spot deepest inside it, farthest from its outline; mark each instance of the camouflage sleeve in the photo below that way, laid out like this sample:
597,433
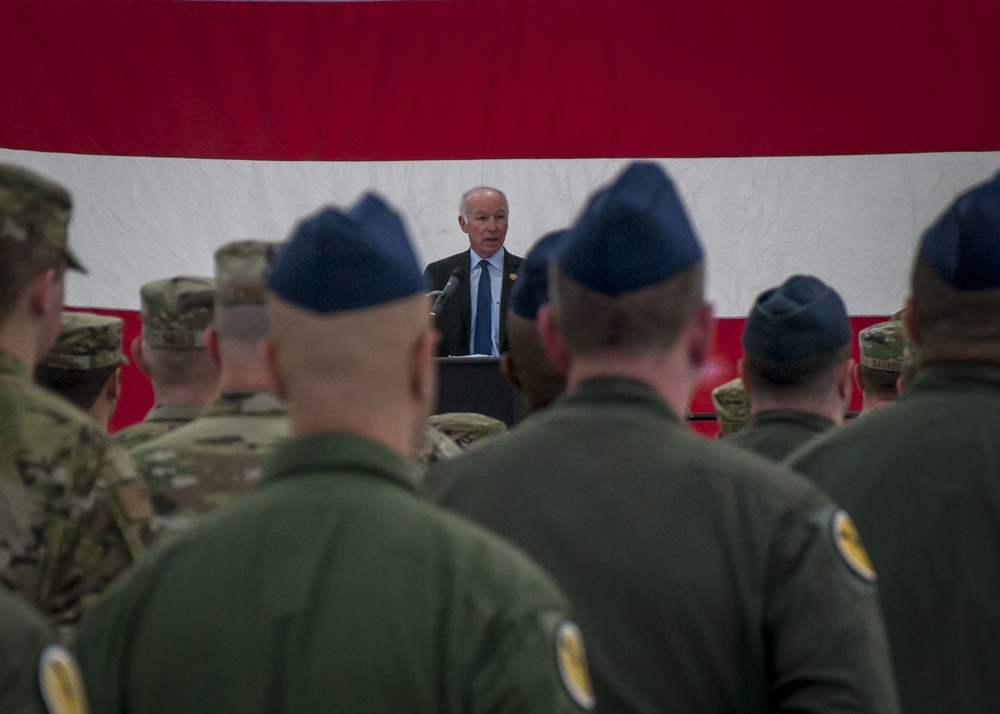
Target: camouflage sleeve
102,526
829,648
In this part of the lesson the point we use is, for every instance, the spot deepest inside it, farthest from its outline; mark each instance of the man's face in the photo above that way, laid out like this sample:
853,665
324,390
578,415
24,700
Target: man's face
485,221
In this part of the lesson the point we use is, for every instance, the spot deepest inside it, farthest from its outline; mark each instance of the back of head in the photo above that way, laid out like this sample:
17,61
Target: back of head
882,349
535,374
795,337
85,356
956,280
239,313
175,313
34,217
347,307
629,276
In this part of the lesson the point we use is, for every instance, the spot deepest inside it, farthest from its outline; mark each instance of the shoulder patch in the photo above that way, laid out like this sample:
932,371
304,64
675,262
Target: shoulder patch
60,681
847,543
571,658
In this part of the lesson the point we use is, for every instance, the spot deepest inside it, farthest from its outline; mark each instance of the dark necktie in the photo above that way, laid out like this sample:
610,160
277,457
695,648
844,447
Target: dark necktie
483,343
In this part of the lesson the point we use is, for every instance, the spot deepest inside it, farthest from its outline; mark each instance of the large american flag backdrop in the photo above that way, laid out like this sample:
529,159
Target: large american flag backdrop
815,137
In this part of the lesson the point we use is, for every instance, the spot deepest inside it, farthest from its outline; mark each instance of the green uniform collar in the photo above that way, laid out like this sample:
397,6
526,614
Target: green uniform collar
13,367
618,391
813,422
258,403
173,412
339,452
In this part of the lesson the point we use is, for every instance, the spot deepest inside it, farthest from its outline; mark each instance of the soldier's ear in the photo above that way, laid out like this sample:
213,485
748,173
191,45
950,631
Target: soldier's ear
274,368
138,357
910,320
212,344
857,376
701,333
45,293
423,368
552,339
741,372
509,369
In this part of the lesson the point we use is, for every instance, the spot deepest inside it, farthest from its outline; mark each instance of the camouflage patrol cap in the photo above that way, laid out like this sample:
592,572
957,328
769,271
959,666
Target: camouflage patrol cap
34,210
882,345
239,271
732,406
176,311
465,428
87,341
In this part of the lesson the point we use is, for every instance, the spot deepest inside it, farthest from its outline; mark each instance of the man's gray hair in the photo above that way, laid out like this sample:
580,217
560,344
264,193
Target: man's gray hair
462,207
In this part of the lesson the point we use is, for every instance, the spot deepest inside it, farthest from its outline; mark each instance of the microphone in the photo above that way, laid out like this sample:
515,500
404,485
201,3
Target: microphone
449,288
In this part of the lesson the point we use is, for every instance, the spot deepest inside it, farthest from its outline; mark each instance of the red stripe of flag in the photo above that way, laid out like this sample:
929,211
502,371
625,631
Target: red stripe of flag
500,78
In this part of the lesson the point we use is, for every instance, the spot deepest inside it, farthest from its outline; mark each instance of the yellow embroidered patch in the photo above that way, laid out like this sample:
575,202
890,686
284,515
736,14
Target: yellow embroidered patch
849,547
61,683
571,656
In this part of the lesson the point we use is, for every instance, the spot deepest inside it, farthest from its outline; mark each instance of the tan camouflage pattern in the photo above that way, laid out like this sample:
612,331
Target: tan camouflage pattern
239,271
160,420
35,210
437,446
176,311
882,345
73,513
211,461
87,341
467,428
732,406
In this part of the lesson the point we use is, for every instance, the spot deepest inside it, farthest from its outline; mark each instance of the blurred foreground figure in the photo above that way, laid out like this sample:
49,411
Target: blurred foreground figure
72,510
333,586
171,352
923,478
85,365
796,366
706,578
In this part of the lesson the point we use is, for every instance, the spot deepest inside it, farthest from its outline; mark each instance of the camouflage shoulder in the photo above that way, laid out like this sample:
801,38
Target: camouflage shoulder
138,434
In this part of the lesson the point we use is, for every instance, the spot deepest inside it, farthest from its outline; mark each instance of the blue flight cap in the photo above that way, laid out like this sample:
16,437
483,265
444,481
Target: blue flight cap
531,289
347,260
633,234
804,317
963,246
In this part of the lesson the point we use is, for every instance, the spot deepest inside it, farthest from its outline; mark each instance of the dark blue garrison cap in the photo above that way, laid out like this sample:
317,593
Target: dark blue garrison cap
803,317
347,260
633,234
963,246
531,289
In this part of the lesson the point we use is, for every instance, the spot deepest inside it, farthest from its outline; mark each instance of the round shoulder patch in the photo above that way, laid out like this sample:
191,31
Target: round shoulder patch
847,543
571,657
61,683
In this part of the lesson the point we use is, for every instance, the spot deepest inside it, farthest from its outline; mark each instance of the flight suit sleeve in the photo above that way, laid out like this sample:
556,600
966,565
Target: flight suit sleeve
827,643
109,510
537,663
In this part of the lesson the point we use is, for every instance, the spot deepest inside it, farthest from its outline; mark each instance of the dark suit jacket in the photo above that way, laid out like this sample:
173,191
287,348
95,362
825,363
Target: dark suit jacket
454,320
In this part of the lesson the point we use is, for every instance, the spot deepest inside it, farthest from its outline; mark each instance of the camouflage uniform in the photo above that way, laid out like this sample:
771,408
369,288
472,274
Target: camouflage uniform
732,407
467,428
437,446
72,511
87,341
218,456
881,346
175,313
